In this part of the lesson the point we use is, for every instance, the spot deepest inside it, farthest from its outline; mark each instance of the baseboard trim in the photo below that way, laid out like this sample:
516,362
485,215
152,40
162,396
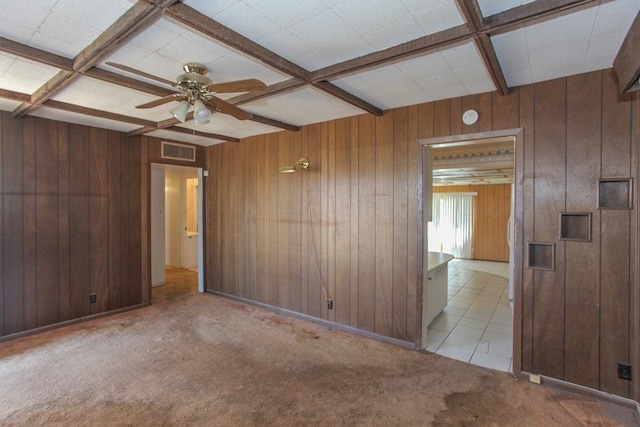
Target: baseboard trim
326,323
70,322
582,390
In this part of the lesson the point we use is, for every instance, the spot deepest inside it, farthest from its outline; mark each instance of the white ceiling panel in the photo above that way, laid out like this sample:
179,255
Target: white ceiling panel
448,73
576,43
302,107
63,27
8,105
224,124
23,75
320,33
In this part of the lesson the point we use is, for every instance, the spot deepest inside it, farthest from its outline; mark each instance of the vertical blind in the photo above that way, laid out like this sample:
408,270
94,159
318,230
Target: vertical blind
450,230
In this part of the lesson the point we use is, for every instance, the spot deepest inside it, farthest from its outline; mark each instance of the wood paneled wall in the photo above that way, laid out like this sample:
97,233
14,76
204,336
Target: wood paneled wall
70,216
349,228
491,210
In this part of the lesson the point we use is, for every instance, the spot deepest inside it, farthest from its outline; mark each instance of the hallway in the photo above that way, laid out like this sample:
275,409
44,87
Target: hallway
477,324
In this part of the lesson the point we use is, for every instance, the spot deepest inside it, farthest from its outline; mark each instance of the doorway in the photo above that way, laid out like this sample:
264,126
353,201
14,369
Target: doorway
176,225
481,322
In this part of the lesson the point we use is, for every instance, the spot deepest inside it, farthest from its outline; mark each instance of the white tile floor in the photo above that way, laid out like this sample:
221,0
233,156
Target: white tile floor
477,324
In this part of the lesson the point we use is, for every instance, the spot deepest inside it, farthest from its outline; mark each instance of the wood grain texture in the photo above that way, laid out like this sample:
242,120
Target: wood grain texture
616,244
549,187
61,215
582,258
360,234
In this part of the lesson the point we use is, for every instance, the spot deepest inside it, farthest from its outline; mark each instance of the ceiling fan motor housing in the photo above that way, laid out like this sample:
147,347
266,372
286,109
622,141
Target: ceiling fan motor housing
193,82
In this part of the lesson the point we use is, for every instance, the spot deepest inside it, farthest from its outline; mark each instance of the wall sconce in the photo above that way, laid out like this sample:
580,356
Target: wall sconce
302,164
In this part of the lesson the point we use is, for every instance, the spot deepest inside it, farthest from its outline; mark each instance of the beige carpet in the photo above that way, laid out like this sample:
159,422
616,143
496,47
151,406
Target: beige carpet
198,359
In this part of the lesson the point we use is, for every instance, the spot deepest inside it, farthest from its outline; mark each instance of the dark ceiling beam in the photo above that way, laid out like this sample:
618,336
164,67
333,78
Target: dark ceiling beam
488,54
411,48
44,92
472,14
274,89
627,62
345,96
217,31
186,131
534,11
538,10
14,96
165,124
34,54
72,108
473,17
137,17
275,123
128,82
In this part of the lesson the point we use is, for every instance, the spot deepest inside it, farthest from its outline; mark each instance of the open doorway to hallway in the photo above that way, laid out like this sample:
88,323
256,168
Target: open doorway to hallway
176,225
471,210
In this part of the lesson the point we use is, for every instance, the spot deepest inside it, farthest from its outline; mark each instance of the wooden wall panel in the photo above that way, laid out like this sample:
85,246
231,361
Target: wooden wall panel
47,271
29,191
342,219
360,226
400,226
366,223
12,264
64,262
61,220
98,211
582,264
548,292
115,148
527,117
616,243
384,201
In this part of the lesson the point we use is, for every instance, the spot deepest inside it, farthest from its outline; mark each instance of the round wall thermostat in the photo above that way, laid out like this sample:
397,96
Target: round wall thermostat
470,117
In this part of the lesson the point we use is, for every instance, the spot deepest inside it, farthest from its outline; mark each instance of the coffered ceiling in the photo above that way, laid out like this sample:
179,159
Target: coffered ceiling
320,59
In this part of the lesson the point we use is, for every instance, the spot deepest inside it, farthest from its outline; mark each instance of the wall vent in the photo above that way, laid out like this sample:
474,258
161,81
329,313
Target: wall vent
171,150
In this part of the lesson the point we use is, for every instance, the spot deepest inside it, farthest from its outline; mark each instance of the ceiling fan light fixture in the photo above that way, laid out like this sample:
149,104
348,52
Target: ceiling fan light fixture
200,114
180,112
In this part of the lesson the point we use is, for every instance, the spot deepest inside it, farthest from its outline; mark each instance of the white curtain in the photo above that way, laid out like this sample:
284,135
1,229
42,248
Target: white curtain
451,228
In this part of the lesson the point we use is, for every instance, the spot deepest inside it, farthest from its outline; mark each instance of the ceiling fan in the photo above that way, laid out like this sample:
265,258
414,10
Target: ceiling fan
198,90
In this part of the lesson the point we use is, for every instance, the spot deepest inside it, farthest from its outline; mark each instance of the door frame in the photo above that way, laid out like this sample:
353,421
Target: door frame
200,208
426,169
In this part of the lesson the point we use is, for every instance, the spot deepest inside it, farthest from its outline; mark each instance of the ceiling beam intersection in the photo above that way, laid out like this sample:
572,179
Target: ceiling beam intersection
229,37
139,16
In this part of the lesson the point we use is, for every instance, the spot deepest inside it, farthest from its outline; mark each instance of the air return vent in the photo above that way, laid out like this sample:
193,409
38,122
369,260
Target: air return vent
171,150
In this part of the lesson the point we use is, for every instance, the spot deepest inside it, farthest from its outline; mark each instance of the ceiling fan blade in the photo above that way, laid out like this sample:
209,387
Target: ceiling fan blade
227,108
247,85
140,73
163,100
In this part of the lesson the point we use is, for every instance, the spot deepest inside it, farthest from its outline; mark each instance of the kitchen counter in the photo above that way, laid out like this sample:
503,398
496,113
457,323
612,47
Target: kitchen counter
436,285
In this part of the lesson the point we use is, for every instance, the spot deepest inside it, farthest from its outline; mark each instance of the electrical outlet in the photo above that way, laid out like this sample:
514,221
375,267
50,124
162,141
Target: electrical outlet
624,371
329,304
93,298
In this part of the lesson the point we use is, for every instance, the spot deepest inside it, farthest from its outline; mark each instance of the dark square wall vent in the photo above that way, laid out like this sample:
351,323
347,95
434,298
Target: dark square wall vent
171,150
